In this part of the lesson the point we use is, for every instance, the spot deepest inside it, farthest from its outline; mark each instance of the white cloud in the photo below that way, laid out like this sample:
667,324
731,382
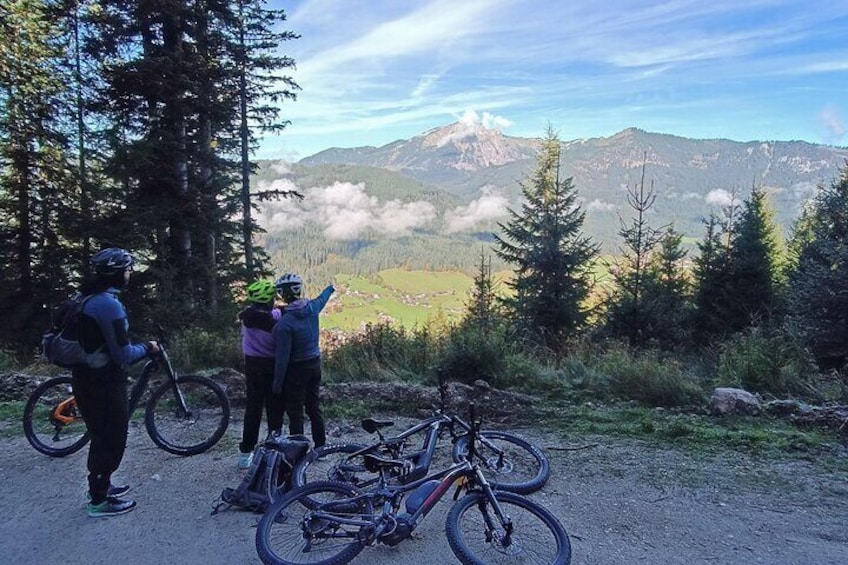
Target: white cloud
691,195
719,197
424,85
282,168
600,206
831,118
471,122
489,207
344,211
397,219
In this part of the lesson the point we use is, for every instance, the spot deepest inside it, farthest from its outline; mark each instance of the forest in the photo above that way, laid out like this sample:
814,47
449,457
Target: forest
131,124
134,124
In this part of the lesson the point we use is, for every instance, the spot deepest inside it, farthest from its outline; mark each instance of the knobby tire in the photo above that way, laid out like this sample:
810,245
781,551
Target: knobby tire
182,434
47,435
523,469
537,538
281,535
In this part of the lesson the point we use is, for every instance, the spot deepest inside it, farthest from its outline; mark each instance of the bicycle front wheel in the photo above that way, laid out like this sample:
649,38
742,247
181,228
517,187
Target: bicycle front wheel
191,429
509,462
477,537
300,527
52,421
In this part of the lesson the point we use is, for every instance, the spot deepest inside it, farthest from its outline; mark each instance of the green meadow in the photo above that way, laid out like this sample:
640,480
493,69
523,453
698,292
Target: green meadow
408,298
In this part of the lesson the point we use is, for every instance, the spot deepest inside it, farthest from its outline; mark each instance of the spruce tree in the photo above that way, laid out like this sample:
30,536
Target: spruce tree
482,306
818,287
755,265
34,179
629,311
550,254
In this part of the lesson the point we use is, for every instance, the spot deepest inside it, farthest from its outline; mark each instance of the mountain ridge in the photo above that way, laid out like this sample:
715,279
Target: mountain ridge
464,159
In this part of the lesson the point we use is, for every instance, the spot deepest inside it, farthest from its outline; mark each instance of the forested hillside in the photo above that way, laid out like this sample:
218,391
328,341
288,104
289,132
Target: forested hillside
470,177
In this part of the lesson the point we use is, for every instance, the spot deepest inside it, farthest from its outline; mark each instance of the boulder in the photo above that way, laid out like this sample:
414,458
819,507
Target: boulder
733,401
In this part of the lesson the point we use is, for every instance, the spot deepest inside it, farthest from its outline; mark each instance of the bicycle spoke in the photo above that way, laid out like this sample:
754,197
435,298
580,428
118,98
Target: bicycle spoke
190,425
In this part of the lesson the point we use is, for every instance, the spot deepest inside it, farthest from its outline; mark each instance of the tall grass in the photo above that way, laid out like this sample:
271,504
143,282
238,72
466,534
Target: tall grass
195,350
769,362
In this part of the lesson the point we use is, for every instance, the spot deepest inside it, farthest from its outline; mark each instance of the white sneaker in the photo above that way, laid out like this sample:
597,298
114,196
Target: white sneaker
244,460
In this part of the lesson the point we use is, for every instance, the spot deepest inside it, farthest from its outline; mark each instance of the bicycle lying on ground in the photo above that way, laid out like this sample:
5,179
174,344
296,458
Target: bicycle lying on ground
514,464
330,522
185,414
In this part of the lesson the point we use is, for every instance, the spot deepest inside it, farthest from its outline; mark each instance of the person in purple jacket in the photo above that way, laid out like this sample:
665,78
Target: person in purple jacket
297,373
257,321
100,387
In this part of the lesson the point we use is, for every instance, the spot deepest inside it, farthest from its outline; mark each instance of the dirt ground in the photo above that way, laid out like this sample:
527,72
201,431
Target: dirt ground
622,502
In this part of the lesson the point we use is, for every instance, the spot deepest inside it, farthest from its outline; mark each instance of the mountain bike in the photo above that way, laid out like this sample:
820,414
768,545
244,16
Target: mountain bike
331,522
184,415
514,464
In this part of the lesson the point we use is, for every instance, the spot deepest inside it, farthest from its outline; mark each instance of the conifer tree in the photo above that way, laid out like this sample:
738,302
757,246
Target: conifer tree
482,306
818,287
629,312
755,265
550,254
34,179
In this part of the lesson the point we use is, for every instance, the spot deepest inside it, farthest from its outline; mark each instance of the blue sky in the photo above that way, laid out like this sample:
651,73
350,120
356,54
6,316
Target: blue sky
374,71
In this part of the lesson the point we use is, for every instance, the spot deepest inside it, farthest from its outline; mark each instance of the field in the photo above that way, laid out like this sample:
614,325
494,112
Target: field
407,297
412,297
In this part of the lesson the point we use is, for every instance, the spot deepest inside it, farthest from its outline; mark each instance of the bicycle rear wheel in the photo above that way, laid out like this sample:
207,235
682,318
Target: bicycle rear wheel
290,532
477,536
190,431
509,462
52,422
333,463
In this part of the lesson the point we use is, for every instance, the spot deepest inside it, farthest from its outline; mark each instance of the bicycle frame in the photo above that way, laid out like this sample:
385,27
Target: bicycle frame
388,525
136,392
151,366
437,424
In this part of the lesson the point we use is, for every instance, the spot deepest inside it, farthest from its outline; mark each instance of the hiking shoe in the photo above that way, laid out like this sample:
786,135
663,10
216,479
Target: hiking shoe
244,460
110,507
116,491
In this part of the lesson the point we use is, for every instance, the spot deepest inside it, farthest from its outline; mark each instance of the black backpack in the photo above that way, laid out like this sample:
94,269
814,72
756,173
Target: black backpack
269,476
60,344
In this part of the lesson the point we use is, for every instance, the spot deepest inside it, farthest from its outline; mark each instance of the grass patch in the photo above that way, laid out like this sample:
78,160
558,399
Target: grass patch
762,437
348,410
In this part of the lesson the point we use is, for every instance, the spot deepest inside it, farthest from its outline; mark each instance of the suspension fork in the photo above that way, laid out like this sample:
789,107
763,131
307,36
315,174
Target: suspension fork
172,376
491,500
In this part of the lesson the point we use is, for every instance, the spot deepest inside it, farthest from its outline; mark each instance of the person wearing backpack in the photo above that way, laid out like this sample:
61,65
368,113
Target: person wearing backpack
297,373
257,322
100,386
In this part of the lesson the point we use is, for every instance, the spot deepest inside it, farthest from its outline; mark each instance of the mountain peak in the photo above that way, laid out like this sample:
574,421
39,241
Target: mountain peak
472,145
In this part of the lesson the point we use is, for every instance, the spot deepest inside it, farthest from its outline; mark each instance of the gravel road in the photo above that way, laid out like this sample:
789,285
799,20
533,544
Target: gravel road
622,502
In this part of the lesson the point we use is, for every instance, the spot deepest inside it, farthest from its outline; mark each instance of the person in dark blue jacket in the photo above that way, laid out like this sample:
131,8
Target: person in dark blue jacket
297,371
100,387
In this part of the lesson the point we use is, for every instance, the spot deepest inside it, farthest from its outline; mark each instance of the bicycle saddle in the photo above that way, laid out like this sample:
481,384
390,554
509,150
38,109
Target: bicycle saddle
371,425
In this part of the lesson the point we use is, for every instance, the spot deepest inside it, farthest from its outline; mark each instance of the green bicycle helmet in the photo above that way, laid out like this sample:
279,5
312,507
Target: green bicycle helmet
261,292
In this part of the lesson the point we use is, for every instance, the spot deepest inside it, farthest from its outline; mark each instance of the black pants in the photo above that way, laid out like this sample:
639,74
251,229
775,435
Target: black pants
259,374
101,395
301,389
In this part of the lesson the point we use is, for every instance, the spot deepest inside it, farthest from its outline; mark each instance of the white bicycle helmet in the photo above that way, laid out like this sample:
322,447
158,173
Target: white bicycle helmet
289,285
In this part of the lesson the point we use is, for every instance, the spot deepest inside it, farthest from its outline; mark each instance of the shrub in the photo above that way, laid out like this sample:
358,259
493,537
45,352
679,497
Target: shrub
646,376
195,349
8,360
470,354
383,352
763,361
